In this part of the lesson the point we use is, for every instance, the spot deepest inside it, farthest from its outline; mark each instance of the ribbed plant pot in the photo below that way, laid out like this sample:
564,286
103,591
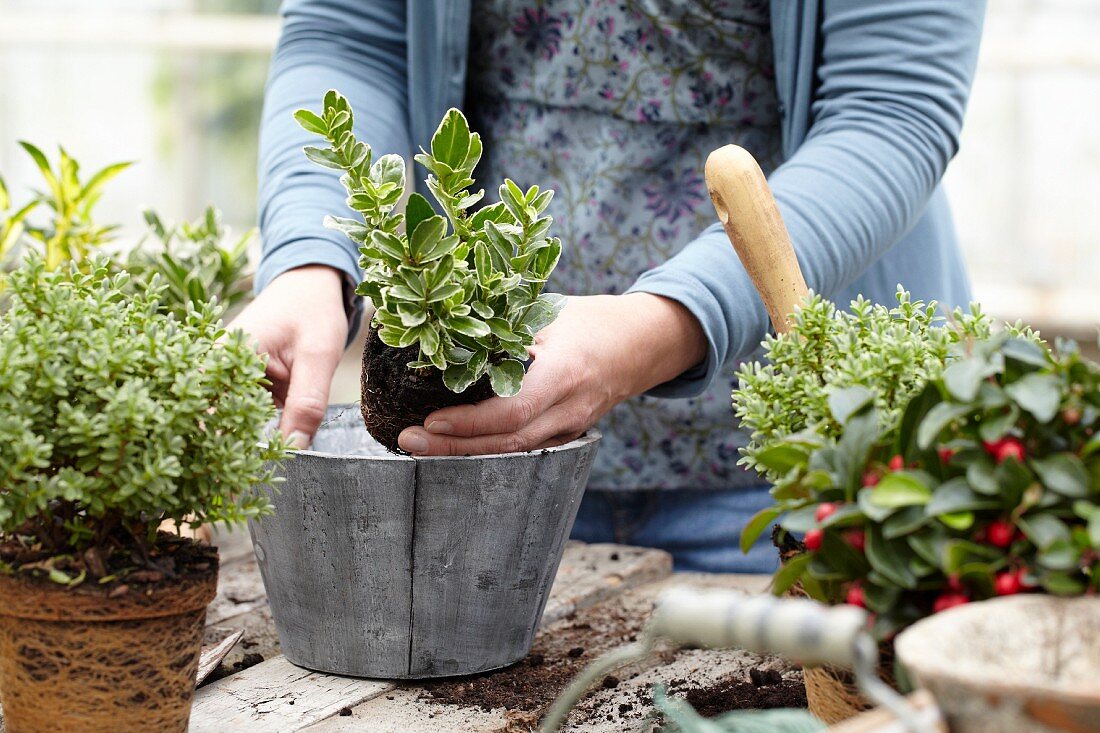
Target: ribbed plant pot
378,565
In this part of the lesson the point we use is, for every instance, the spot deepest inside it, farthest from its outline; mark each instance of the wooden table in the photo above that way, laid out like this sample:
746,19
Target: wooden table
598,580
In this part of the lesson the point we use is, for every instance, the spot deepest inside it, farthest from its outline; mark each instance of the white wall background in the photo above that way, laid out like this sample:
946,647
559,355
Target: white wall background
176,84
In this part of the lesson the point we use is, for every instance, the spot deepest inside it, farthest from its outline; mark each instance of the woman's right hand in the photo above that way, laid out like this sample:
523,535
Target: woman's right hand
299,322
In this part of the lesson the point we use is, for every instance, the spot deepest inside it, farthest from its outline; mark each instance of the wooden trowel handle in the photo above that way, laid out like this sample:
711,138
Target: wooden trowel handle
748,212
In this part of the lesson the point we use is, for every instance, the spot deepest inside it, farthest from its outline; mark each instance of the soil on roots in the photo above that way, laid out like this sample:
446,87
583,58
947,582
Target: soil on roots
395,397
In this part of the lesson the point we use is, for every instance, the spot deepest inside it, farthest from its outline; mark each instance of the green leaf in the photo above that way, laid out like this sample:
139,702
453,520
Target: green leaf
963,378
426,235
847,401
417,210
451,141
982,478
756,526
958,553
909,519
931,545
865,499
311,122
1060,555
469,326
938,418
506,377
1044,530
889,558
994,427
960,521
899,489
800,520
1061,584
789,573
1027,352
1039,394
1063,473
956,495
323,157
388,169
458,377
781,457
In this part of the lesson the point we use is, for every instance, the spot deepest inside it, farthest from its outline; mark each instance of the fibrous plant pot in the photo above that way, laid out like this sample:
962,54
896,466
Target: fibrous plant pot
379,565
1019,664
79,661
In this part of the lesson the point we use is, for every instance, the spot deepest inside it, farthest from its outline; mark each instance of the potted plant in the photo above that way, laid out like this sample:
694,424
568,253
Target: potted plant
978,475
115,417
457,297
383,565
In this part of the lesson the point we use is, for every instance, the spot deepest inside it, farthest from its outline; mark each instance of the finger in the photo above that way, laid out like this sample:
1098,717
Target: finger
557,421
307,395
501,415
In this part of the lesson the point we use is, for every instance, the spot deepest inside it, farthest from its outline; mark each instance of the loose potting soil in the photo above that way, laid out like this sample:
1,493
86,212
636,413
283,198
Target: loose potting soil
170,559
528,688
395,397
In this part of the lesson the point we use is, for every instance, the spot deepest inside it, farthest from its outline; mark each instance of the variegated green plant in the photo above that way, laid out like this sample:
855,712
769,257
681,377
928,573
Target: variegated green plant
466,287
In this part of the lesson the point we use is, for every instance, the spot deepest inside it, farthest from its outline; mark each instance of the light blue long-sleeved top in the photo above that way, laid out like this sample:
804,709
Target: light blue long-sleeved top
872,95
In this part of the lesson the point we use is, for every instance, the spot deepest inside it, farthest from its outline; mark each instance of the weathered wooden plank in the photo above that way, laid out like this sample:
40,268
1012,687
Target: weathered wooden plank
587,573
275,697
623,708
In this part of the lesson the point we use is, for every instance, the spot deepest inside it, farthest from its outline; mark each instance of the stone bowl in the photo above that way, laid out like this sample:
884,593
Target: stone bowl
1018,664
380,565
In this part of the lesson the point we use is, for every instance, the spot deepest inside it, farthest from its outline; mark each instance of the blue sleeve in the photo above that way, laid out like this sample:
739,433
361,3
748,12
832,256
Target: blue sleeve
360,49
893,78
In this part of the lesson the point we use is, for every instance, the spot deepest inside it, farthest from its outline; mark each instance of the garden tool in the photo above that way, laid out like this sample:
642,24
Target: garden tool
796,628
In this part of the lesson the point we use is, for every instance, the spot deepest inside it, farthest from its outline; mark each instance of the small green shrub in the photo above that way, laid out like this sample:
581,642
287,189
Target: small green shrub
194,261
465,288
988,484
892,352
115,416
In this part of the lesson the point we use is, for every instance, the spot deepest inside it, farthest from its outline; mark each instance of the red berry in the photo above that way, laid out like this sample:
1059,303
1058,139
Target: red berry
855,597
949,600
946,454
992,448
870,478
896,463
813,539
1007,583
856,538
1009,448
1000,533
954,582
1071,415
824,511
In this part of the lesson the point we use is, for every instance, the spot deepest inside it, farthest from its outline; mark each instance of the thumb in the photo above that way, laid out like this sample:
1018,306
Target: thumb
307,397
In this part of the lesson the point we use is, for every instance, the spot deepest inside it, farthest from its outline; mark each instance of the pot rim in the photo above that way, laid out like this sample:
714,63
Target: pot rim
912,645
590,436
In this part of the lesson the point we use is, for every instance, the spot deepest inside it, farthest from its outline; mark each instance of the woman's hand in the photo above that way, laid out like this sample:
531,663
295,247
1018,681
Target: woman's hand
298,320
601,350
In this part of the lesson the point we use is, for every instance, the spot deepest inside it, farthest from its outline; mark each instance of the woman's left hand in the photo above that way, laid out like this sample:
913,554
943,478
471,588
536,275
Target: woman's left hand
601,350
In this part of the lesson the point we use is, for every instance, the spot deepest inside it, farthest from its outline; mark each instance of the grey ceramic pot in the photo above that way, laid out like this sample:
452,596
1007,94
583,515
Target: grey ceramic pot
378,565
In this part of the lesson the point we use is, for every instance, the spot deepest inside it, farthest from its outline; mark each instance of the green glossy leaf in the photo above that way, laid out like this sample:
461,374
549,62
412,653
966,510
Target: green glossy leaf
899,489
451,141
417,210
789,573
1039,394
847,401
468,326
756,526
993,427
960,521
1026,352
311,122
890,558
938,418
1063,473
956,495
427,234
963,377
1044,530
506,377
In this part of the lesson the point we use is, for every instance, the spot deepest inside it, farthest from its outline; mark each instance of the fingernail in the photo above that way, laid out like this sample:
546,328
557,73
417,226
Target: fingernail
413,443
441,427
298,440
